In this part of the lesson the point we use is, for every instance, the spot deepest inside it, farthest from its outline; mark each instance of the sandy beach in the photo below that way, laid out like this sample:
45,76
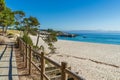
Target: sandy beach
92,61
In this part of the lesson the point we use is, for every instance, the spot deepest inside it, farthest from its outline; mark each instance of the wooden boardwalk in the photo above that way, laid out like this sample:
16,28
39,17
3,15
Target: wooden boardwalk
8,67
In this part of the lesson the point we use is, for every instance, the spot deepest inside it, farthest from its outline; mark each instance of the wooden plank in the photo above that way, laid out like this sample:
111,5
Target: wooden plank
74,75
46,77
56,77
36,66
53,62
36,52
54,70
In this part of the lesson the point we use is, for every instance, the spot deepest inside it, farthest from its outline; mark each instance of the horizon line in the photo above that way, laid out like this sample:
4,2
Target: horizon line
87,30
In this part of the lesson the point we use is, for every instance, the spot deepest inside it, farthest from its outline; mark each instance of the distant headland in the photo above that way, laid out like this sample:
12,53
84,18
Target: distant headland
60,33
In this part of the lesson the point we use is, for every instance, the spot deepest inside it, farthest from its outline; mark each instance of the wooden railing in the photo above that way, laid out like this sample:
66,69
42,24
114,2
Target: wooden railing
28,54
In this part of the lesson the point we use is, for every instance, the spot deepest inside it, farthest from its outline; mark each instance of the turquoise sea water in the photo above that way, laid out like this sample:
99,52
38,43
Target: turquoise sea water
95,37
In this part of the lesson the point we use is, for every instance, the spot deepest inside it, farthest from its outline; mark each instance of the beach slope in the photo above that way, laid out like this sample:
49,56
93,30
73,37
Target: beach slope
93,61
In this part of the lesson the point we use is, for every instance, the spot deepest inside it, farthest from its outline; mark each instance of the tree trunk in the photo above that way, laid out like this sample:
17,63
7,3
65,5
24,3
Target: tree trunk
6,29
37,40
3,30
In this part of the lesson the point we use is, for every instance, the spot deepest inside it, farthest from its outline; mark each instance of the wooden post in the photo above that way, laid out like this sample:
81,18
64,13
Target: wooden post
64,76
17,45
23,50
26,55
42,65
20,44
30,55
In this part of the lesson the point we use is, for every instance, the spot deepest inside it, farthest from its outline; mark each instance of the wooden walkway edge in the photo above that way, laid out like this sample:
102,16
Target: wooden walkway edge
8,68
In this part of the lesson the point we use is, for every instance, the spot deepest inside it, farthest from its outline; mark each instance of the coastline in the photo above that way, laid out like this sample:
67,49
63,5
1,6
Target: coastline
91,60
89,42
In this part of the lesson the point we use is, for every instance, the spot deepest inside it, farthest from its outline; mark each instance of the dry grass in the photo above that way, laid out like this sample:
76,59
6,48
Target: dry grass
23,71
13,31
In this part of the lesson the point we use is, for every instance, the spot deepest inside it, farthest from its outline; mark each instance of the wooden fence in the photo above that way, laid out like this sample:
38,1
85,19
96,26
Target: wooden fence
28,54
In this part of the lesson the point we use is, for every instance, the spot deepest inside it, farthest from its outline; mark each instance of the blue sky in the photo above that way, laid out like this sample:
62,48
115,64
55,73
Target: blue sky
72,14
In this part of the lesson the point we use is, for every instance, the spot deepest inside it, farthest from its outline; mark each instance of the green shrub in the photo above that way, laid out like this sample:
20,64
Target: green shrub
27,39
10,35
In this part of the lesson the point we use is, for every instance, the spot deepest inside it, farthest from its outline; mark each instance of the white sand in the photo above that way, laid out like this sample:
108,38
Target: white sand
93,61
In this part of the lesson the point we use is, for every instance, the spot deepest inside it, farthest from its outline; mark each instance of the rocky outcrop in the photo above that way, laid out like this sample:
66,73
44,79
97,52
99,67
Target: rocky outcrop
64,34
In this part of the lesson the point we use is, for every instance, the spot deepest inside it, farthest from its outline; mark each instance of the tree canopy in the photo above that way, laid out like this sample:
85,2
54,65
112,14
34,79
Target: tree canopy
31,25
6,16
2,5
10,18
27,25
